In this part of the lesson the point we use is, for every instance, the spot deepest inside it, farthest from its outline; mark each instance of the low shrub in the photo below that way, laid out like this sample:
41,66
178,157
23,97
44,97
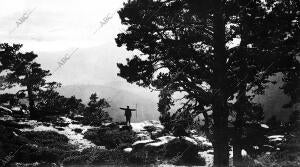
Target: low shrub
142,157
32,153
110,138
43,146
204,147
123,146
14,124
28,147
183,152
96,156
49,139
76,159
150,128
277,159
10,142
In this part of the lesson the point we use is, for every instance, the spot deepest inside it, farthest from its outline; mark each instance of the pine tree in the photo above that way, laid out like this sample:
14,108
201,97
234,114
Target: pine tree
8,55
27,73
95,112
185,48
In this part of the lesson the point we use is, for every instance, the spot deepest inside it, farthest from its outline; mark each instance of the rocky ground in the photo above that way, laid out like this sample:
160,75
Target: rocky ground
142,143
61,141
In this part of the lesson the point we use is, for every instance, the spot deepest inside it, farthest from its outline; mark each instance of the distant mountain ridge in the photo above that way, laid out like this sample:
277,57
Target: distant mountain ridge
117,97
120,94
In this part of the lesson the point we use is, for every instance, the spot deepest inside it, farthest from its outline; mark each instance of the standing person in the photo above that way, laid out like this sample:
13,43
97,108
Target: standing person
128,114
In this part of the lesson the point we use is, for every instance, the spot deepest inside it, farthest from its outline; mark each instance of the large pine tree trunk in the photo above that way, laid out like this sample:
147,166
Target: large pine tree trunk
220,134
219,106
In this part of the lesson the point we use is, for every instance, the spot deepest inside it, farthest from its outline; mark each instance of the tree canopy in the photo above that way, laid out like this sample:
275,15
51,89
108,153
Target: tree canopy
211,51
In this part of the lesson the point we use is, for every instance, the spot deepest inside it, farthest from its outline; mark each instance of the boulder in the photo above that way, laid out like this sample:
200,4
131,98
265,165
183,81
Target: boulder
127,150
160,141
111,125
17,111
150,125
5,111
189,140
143,136
63,121
141,143
78,118
202,142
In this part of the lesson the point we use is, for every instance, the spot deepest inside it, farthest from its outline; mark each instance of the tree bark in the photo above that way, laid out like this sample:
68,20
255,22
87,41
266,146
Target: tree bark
219,106
220,134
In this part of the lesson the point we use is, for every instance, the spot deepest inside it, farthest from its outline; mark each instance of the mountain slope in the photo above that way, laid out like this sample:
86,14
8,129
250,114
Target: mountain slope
147,106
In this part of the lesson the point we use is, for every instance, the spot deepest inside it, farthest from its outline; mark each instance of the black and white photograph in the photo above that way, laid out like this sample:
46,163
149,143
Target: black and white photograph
158,83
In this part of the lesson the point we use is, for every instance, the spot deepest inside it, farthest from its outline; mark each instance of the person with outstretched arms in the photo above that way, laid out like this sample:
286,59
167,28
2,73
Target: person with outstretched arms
128,114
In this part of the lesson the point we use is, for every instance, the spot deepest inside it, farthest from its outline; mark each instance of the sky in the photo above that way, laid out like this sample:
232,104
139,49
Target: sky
83,30
57,25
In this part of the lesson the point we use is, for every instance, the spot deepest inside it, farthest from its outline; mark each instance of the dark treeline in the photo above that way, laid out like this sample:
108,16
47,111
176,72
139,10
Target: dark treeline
22,71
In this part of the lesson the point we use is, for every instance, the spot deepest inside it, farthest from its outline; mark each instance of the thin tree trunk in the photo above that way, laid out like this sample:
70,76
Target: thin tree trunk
33,114
238,129
241,101
219,106
237,158
207,125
